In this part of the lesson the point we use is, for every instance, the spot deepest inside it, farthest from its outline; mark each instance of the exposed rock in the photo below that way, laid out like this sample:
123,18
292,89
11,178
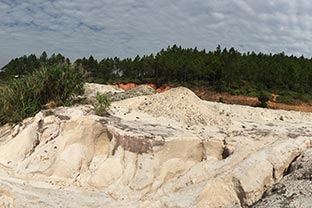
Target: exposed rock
295,189
134,92
218,193
6,199
181,152
91,89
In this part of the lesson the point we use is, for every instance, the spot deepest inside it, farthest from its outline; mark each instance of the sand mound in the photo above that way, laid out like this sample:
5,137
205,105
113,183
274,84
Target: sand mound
180,104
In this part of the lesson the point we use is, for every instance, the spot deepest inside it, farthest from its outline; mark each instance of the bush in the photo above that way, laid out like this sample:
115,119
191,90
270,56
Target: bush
263,99
305,97
220,86
63,84
286,99
252,94
26,96
101,104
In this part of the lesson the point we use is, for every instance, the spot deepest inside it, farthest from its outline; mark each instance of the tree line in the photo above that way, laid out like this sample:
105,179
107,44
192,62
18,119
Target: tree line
226,70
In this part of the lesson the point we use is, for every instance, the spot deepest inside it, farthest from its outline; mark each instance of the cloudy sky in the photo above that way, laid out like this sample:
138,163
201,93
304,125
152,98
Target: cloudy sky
125,28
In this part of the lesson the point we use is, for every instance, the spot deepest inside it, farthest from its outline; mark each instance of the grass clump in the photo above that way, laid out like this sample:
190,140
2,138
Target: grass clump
26,96
102,103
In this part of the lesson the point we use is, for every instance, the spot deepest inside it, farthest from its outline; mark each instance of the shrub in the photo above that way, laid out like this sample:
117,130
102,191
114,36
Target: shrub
263,98
305,97
101,104
220,86
26,96
286,99
64,84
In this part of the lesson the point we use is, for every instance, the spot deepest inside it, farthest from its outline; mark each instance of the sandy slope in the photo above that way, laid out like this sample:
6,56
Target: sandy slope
163,150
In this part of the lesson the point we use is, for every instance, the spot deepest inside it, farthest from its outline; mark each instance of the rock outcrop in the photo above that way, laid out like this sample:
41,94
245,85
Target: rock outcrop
295,189
91,89
161,150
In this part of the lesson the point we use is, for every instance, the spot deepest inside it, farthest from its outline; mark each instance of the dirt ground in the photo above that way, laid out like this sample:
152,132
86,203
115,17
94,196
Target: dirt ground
210,95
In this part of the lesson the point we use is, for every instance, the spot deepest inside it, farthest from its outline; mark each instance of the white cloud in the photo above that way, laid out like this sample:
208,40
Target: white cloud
125,28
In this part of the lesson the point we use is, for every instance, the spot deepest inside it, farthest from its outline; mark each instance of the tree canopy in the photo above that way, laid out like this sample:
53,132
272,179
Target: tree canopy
226,70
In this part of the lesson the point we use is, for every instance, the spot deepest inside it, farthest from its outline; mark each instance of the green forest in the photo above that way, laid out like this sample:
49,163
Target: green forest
224,70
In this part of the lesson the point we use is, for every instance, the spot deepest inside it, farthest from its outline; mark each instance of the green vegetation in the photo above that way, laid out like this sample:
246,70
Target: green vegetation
226,70
24,97
263,98
101,104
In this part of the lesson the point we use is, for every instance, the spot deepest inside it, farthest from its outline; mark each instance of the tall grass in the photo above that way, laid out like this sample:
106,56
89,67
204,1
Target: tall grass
24,97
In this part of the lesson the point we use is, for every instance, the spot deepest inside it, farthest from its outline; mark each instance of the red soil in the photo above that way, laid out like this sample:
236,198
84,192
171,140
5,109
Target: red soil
128,86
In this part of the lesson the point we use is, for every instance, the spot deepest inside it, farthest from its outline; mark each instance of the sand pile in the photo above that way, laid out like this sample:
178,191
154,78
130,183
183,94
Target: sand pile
179,104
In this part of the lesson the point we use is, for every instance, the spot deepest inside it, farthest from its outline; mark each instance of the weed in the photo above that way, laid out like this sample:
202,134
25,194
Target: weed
101,104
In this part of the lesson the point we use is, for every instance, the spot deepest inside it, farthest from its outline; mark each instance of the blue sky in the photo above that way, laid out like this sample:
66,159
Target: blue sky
125,28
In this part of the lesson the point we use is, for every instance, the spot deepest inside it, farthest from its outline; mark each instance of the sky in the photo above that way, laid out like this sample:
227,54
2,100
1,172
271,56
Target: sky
126,28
